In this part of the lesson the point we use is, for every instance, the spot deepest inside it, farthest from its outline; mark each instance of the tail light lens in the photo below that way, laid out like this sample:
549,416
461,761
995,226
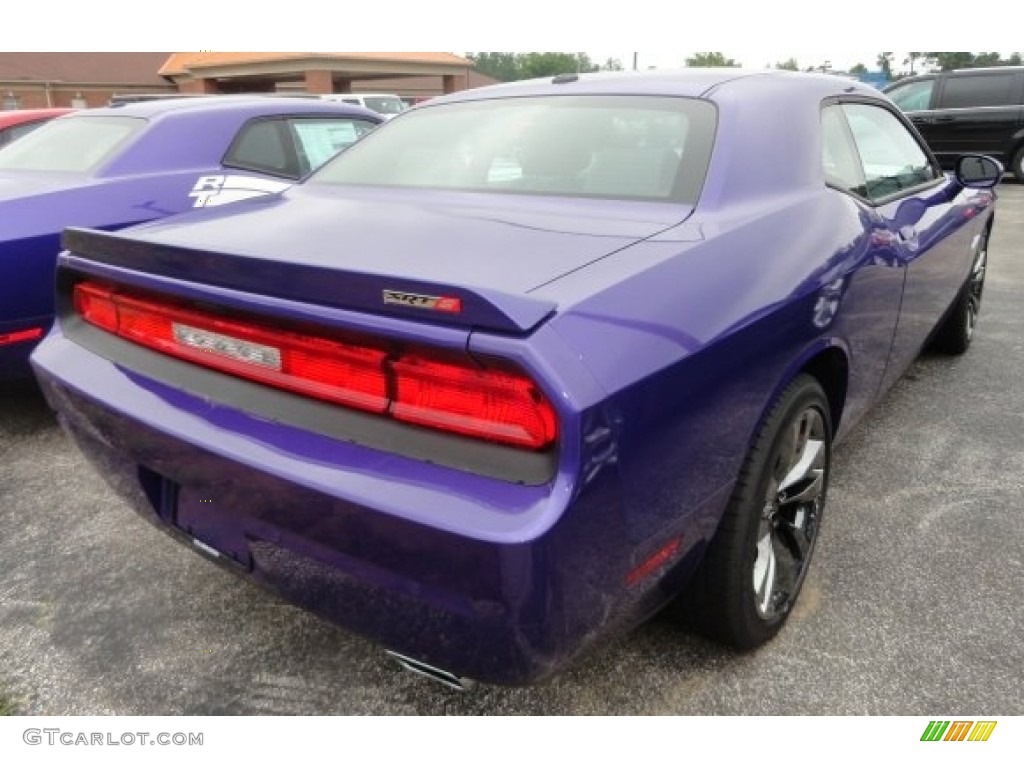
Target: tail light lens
322,368
491,404
481,403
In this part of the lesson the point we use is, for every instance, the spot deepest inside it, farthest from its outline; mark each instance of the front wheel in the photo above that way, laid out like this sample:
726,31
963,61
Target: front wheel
758,559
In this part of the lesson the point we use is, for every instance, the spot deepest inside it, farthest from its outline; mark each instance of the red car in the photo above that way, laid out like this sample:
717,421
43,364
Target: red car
17,123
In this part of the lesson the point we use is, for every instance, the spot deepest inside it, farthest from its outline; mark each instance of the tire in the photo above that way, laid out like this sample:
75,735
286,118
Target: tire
757,561
954,335
1017,165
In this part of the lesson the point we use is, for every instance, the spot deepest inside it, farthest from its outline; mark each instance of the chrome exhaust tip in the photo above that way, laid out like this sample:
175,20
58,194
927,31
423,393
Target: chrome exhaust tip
438,675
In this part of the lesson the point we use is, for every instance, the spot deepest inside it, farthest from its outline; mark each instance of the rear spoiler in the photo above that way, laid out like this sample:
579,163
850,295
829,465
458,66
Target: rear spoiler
436,303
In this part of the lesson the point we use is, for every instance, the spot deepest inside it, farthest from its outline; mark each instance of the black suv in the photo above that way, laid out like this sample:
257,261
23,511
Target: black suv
968,110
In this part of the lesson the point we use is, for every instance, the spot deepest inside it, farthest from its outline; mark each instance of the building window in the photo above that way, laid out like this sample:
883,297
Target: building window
11,101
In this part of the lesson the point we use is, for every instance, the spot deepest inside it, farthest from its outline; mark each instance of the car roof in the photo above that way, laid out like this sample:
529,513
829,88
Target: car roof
693,82
18,116
969,71
257,105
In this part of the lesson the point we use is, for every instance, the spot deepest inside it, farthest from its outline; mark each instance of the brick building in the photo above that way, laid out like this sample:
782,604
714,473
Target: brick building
32,80
412,76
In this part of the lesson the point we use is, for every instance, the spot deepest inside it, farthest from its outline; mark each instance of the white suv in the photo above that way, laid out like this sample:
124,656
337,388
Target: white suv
386,104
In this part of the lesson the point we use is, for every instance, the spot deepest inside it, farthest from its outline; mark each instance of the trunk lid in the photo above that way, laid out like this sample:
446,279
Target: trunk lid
460,259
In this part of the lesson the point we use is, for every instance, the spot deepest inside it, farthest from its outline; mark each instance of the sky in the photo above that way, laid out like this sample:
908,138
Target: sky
754,32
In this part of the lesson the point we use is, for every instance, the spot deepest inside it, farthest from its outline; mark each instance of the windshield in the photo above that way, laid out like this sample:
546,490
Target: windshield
621,147
71,144
385,105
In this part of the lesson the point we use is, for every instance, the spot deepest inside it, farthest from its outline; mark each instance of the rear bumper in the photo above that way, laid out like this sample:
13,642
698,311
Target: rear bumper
489,580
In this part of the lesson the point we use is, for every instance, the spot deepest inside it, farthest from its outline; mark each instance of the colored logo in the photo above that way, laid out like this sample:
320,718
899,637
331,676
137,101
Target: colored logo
419,301
958,730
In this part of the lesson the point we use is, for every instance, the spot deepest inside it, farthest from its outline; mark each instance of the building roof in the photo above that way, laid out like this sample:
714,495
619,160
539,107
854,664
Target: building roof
84,68
183,63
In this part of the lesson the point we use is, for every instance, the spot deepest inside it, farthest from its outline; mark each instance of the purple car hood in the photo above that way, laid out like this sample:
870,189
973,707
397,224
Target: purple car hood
346,246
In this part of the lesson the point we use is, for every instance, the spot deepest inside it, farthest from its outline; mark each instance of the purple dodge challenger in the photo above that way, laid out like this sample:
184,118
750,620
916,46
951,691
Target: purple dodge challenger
529,363
114,167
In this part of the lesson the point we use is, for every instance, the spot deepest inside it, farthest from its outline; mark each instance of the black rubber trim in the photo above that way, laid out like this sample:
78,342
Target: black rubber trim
467,454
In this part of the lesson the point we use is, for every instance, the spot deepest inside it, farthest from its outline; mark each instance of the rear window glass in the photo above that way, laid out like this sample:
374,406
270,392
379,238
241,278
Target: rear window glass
17,131
71,144
621,147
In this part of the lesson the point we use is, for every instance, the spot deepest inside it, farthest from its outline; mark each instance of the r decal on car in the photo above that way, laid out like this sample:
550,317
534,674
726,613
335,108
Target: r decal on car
220,190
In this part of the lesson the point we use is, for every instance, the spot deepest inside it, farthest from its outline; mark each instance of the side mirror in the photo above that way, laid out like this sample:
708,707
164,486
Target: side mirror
978,171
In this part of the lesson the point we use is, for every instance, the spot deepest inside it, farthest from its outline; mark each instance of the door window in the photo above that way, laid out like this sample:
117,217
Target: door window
913,97
890,156
320,139
292,147
838,155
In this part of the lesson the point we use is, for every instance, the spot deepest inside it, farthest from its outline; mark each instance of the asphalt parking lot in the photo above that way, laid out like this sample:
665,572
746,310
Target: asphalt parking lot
912,606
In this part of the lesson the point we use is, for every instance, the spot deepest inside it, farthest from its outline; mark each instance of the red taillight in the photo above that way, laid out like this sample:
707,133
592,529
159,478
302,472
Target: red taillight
96,305
496,405
482,403
329,370
15,337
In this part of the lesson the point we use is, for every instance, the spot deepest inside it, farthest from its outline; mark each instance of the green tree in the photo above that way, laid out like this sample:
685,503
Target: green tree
500,66
549,64
789,64
884,62
714,59
987,60
612,65
858,69
914,57
947,61
522,66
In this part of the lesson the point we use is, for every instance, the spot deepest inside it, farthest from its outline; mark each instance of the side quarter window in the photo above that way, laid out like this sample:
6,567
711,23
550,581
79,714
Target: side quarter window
891,158
838,155
262,146
982,90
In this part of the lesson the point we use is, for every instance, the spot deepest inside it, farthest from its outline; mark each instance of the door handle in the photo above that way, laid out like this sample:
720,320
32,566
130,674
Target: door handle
944,119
